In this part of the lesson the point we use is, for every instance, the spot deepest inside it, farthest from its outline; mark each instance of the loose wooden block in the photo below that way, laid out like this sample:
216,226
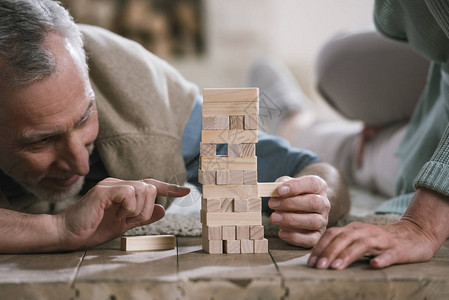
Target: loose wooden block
228,163
261,246
255,204
246,246
208,150
227,205
206,177
229,136
231,246
212,232
248,150
148,242
227,95
251,122
228,232
256,232
249,177
230,191
235,150
268,189
231,218
210,204
223,177
212,246
240,205
236,122
230,109
242,232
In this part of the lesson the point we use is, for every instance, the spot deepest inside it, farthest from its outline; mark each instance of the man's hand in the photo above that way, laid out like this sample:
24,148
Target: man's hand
301,210
415,238
112,207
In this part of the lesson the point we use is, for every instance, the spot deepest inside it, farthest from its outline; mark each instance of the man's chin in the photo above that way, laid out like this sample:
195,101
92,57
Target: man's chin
54,193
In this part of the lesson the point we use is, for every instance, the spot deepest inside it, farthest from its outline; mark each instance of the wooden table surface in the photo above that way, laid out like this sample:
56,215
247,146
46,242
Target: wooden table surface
188,273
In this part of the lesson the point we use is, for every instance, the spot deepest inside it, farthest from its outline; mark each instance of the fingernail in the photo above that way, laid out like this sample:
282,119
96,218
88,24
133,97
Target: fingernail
312,261
284,234
276,218
322,263
284,190
275,203
336,264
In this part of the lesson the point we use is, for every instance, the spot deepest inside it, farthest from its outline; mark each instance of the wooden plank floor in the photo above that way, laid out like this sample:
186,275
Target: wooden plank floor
188,273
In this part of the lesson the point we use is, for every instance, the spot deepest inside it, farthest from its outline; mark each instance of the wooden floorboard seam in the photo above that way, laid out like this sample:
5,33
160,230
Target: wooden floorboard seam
76,272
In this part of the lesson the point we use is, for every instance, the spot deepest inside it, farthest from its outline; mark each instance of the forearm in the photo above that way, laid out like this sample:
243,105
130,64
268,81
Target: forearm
337,191
25,233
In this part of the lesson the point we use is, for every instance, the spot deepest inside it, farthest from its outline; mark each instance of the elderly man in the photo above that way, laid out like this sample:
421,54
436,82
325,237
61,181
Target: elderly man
145,122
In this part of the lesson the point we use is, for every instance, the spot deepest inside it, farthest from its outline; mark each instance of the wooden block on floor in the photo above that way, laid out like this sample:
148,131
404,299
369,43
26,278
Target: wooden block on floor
229,136
148,242
256,232
208,150
261,246
231,246
236,122
231,218
246,246
212,246
227,205
242,232
255,204
240,205
206,177
210,204
251,122
228,232
211,109
250,177
230,191
212,232
268,189
223,177
228,163
234,150
226,95
248,150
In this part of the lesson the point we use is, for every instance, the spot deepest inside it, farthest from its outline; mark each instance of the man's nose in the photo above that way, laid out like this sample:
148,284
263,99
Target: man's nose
74,155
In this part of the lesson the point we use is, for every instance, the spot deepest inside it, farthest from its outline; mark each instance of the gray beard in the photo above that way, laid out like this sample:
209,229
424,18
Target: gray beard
56,196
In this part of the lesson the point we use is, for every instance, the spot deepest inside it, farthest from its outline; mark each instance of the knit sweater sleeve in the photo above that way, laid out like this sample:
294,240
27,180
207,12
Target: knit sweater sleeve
435,173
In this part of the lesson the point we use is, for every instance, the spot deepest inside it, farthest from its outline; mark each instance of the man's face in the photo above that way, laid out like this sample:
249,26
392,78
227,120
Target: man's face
47,129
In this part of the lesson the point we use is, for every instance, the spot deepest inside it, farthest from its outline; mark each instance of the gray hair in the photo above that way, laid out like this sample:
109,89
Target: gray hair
24,25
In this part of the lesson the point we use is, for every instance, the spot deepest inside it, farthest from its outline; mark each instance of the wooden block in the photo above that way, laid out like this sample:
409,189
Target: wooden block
228,233
256,232
246,246
240,205
231,218
261,246
227,205
223,177
230,191
206,177
227,95
230,109
235,150
210,204
251,122
236,122
221,122
242,232
212,232
209,123
249,177
248,150
208,150
255,204
231,246
268,189
229,136
235,177
148,242
212,246
228,163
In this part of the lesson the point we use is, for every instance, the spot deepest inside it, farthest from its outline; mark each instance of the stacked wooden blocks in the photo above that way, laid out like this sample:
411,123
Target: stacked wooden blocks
231,207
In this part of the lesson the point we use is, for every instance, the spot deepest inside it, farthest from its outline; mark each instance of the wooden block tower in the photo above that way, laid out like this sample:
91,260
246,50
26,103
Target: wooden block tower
231,205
